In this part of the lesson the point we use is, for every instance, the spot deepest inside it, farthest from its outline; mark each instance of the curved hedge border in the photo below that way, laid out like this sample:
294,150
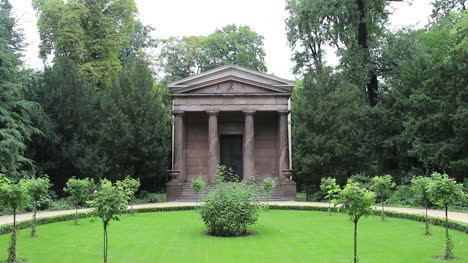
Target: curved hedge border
432,220
5,229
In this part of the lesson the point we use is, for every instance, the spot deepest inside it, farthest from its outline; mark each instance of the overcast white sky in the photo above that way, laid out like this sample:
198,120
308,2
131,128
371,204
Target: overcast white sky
202,17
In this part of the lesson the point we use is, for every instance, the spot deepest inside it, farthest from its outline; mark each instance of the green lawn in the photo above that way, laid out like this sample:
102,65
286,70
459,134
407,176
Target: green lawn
283,236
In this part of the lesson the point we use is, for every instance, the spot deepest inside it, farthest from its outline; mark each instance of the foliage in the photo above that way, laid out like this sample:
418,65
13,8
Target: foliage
79,190
182,57
420,185
16,113
329,186
70,146
268,185
356,202
90,33
233,44
327,131
13,196
129,186
382,186
38,190
136,130
198,184
445,191
230,207
109,202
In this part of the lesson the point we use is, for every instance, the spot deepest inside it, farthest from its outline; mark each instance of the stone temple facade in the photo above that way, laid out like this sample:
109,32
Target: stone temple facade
232,116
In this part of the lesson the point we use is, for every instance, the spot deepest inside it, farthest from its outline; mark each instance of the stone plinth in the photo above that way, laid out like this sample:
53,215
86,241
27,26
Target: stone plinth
174,186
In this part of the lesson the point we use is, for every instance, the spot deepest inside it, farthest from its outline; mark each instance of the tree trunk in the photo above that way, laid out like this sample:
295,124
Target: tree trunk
33,227
106,244
448,239
355,242
12,248
362,39
427,231
382,215
76,214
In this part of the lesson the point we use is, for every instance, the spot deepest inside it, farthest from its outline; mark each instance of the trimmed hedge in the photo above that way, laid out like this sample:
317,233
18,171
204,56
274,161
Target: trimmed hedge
432,220
5,229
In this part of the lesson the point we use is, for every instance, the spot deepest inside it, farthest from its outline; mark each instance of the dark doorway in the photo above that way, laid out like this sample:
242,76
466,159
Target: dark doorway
231,153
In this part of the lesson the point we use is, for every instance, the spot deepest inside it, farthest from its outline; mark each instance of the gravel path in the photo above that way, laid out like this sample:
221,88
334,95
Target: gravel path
458,216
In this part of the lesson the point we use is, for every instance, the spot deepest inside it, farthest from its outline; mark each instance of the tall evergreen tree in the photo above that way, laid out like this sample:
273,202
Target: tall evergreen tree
16,113
136,126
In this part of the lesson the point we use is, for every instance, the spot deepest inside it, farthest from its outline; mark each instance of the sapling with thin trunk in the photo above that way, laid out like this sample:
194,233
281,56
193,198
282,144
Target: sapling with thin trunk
356,202
382,186
38,189
13,196
328,185
445,191
80,190
129,186
198,185
420,185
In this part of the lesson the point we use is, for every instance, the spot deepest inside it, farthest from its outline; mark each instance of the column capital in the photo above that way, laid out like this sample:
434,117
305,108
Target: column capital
212,112
248,112
178,112
286,112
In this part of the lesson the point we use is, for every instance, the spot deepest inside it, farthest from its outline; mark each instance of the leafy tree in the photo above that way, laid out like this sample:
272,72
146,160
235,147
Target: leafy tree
79,190
38,190
135,132
90,33
109,202
71,144
442,8
129,186
328,185
357,202
140,41
268,185
13,196
16,113
432,91
445,191
328,132
182,57
382,186
233,45
420,185
198,185
353,27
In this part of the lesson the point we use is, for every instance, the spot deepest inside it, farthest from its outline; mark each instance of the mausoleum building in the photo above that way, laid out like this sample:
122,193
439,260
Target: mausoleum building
235,117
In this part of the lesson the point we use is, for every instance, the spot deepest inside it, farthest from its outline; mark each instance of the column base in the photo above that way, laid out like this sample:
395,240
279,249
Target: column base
173,190
288,188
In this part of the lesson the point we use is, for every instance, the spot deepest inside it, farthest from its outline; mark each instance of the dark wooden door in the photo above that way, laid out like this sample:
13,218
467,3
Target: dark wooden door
231,153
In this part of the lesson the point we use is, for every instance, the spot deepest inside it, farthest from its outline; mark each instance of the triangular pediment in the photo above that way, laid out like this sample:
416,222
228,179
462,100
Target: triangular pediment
231,79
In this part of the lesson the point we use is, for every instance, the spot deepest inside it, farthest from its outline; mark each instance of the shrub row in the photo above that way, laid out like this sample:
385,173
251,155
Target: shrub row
5,229
432,220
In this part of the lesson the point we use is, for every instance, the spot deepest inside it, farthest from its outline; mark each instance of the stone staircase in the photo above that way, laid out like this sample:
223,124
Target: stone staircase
188,195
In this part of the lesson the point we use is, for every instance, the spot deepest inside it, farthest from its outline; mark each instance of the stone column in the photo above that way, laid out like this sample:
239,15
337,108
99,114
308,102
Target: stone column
179,144
213,145
249,144
283,143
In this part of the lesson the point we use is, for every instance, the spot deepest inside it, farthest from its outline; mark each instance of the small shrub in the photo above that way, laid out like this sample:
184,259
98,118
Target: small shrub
198,185
268,185
230,207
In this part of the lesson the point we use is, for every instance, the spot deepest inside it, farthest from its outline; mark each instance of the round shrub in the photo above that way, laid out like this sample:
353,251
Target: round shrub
230,208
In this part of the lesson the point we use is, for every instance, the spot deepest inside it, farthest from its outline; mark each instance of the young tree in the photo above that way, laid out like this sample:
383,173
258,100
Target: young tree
13,196
357,202
79,190
445,191
328,185
109,202
268,185
382,186
38,190
420,185
198,185
129,186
